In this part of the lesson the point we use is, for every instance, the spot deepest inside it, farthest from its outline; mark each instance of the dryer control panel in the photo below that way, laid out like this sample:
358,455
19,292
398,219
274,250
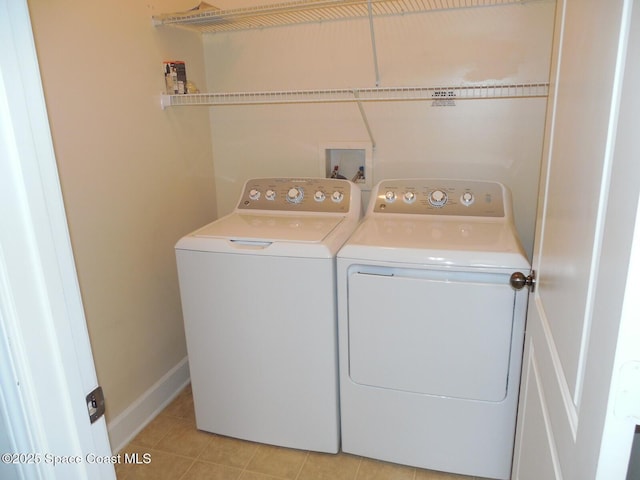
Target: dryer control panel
441,197
326,195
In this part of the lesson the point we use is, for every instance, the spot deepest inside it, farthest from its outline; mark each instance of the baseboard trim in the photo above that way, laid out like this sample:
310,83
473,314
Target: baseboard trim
145,408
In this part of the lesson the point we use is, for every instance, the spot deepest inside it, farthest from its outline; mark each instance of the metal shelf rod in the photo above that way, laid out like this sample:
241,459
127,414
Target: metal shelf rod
373,44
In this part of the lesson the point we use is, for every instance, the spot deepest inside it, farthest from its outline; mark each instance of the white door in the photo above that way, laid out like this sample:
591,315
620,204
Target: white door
46,366
578,394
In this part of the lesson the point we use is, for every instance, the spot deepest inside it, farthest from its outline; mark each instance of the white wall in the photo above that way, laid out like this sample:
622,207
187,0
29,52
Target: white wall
485,139
135,178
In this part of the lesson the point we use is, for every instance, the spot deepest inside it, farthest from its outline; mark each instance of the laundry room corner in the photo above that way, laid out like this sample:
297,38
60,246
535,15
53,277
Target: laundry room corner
134,178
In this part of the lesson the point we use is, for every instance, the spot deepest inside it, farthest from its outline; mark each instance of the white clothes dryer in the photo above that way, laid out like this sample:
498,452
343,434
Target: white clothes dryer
430,330
259,303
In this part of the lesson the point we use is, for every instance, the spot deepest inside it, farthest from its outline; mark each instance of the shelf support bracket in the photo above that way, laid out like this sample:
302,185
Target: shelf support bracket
165,101
373,43
356,94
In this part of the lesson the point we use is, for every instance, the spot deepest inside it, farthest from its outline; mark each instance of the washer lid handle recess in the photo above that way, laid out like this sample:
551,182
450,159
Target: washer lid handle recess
251,244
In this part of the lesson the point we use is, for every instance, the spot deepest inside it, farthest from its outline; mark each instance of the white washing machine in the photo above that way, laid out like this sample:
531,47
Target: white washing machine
430,329
258,295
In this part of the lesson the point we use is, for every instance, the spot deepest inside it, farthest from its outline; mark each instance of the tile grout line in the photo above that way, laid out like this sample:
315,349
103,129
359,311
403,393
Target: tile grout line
304,462
187,470
244,467
358,469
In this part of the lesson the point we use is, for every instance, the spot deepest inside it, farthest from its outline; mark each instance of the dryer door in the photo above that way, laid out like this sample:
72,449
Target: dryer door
431,332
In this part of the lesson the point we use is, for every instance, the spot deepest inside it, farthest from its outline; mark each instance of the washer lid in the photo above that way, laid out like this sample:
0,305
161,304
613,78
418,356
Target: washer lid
271,228
452,241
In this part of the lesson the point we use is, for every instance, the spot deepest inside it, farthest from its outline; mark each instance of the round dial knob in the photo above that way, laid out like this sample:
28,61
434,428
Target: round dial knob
337,196
319,196
390,196
409,197
467,198
270,194
254,194
295,195
438,198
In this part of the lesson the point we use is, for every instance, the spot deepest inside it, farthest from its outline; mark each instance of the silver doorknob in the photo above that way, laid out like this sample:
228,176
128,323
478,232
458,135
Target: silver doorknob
519,280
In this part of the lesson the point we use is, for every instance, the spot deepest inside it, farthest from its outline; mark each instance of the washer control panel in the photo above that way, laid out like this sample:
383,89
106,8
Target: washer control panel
440,197
297,194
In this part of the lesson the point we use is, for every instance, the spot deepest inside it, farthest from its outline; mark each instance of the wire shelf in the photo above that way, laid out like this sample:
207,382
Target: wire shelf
374,94
212,20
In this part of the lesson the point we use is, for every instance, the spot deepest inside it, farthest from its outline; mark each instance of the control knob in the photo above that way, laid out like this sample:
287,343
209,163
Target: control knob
254,194
319,196
409,197
438,198
467,198
337,196
390,196
270,194
295,195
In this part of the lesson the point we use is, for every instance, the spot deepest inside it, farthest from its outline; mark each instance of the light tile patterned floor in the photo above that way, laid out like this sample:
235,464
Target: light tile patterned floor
178,451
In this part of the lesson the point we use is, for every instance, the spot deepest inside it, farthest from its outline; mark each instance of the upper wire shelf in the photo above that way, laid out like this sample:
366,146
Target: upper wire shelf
521,90
212,19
